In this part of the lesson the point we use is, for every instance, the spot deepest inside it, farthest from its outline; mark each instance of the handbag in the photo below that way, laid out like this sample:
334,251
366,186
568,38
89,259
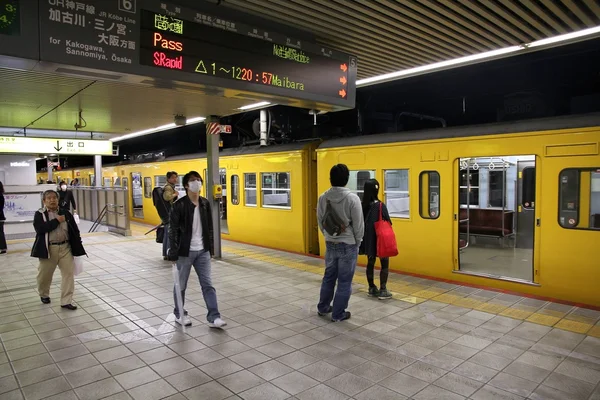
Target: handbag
386,240
78,265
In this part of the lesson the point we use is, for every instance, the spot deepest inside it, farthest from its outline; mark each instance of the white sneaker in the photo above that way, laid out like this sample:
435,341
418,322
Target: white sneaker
217,323
183,320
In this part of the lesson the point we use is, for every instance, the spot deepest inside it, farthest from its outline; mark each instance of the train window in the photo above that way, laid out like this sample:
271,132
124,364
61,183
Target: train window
579,198
469,186
250,189
357,180
275,190
528,196
235,190
396,193
429,194
496,186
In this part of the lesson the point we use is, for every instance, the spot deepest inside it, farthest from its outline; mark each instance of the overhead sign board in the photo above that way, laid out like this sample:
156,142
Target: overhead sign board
25,145
162,40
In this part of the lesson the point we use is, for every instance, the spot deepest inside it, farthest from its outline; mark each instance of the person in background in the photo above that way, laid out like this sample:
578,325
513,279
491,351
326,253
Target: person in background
370,206
191,237
66,199
170,196
3,246
341,249
57,241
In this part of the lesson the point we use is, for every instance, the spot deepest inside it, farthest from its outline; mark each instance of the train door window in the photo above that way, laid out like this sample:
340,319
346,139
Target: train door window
469,182
137,195
147,187
528,190
235,190
356,182
579,199
396,193
497,188
250,189
429,192
276,190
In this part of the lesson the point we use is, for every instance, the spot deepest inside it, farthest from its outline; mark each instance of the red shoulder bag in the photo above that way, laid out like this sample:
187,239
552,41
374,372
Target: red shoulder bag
386,240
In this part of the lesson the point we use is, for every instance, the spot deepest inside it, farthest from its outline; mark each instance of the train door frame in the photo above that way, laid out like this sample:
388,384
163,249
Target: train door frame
519,273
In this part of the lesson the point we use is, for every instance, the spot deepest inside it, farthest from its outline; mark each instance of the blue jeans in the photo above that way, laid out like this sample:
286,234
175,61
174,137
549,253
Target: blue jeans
340,263
201,262
165,242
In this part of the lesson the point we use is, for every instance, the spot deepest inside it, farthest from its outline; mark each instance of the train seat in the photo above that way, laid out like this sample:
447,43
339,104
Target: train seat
486,221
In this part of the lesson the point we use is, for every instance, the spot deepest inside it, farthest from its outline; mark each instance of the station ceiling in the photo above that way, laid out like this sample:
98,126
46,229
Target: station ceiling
391,35
386,35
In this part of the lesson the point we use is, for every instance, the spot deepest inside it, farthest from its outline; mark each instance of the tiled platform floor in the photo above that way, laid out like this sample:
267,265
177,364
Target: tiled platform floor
428,343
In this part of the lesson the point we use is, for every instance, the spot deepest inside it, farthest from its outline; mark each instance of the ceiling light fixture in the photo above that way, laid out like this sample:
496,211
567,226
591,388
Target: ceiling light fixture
255,105
486,56
172,125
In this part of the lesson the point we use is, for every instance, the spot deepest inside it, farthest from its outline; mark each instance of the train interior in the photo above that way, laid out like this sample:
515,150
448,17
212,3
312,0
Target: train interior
496,216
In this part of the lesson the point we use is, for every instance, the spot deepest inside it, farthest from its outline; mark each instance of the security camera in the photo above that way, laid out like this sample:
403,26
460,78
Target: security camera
180,120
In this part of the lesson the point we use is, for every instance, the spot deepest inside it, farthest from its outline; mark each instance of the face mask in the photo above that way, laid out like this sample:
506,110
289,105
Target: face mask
63,187
194,186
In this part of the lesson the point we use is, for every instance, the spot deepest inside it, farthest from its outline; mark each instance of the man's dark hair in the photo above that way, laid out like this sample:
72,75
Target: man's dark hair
170,174
186,178
339,175
48,192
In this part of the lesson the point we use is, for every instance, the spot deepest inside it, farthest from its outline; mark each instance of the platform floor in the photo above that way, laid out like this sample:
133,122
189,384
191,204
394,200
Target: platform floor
432,341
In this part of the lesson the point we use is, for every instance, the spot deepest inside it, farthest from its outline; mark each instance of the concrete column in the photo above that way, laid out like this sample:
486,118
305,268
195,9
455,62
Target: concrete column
98,170
212,178
49,173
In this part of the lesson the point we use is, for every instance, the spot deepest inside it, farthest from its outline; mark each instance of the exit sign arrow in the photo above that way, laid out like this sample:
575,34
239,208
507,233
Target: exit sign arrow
57,147
342,93
343,80
344,67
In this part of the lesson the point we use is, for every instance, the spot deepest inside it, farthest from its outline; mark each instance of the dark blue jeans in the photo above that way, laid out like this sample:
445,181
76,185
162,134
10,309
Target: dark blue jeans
340,263
165,242
200,260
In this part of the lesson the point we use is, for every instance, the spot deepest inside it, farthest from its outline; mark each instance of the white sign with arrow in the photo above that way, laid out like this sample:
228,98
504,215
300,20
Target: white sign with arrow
26,145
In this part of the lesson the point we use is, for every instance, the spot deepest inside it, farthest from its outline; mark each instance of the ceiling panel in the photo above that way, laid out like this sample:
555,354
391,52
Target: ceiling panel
390,35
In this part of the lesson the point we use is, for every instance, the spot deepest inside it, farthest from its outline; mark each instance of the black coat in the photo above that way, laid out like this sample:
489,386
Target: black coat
371,215
66,200
2,217
43,227
180,227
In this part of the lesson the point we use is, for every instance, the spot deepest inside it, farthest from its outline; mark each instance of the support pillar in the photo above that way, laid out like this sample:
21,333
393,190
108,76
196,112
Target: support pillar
50,171
98,183
213,178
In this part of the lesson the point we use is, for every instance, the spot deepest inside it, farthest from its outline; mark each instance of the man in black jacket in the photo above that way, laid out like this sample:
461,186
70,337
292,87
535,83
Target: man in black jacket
191,244
57,241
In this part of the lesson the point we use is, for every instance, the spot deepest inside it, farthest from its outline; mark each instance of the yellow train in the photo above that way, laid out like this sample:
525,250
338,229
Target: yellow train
468,204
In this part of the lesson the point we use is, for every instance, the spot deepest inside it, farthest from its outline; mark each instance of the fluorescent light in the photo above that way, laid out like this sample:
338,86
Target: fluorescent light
565,37
172,125
255,105
478,57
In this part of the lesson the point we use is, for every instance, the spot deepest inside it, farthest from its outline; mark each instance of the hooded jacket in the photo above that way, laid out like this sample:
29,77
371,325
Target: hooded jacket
348,207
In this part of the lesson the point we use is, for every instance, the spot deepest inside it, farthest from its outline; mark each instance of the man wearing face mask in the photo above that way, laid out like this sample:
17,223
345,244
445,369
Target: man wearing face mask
66,199
191,244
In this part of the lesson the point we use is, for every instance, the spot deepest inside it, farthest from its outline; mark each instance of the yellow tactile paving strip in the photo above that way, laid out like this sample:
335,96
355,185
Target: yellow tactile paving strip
559,316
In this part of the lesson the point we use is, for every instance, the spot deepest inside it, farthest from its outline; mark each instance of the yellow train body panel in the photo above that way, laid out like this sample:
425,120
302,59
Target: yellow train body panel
565,262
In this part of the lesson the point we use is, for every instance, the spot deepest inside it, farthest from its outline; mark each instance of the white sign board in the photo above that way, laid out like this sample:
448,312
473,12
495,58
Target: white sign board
21,206
25,145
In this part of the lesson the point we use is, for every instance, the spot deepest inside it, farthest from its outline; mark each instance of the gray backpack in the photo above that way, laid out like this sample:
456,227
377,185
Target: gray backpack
331,222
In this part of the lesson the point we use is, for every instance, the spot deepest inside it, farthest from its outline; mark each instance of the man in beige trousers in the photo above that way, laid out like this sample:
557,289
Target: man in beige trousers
57,242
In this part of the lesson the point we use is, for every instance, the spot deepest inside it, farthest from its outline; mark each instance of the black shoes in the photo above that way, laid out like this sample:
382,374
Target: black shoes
326,312
384,294
373,291
344,317
69,307
45,300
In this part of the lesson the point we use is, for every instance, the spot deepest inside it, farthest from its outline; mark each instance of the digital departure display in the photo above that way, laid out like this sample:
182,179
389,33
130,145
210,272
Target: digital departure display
10,19
181,45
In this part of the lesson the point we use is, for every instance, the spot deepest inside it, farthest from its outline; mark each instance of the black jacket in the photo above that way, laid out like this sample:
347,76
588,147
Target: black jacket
43,227
66,200
2,217
371,215
180,227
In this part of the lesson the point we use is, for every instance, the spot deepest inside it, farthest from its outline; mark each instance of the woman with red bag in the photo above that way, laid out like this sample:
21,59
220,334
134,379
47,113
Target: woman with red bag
374,211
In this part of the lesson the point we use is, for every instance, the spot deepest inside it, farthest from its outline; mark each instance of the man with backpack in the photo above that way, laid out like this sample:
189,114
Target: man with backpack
339,214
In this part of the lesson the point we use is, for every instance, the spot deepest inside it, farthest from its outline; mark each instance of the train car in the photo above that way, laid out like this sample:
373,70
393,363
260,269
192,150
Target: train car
268,193
471,204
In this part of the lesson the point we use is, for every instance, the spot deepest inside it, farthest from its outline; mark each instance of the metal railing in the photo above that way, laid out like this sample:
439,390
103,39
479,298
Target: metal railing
104,206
